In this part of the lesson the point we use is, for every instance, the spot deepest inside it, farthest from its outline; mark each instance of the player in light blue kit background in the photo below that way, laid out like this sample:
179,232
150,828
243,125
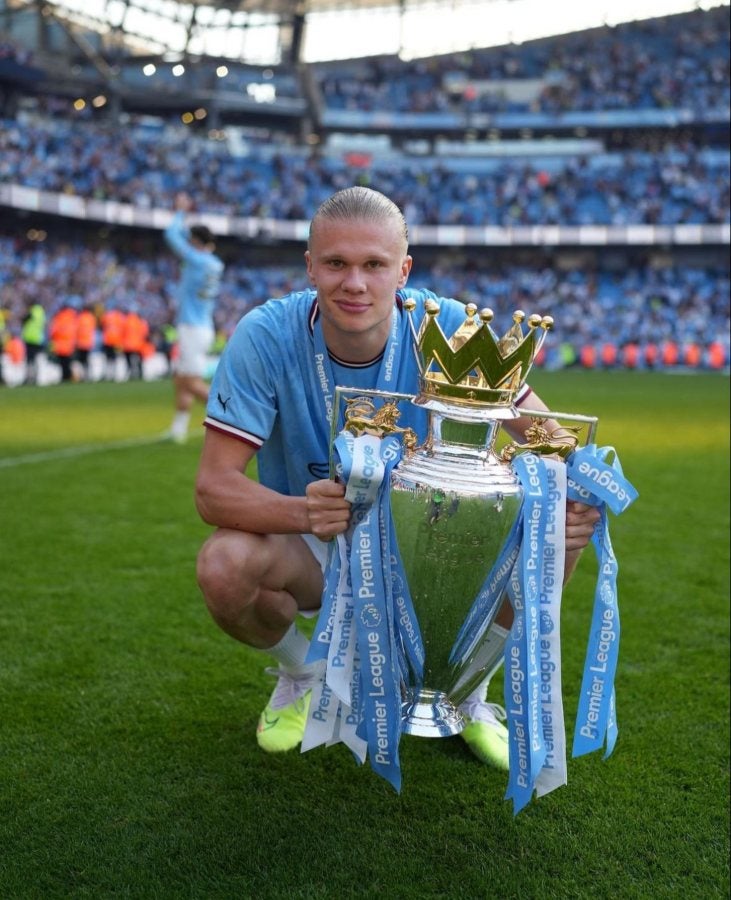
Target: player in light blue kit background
197,291
271,396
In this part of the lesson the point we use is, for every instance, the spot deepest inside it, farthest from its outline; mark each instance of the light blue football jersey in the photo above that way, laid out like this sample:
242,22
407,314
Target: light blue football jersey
270,384
200,276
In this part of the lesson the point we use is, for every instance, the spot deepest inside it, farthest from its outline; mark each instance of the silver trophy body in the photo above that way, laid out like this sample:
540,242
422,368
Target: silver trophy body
454,499
453,502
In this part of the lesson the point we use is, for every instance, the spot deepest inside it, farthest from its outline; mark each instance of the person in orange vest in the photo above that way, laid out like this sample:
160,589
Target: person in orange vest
631,355
587,355
112,322
692,355
134,336
86,330
651,355
716,356
609,355
62,334
15,350
669,354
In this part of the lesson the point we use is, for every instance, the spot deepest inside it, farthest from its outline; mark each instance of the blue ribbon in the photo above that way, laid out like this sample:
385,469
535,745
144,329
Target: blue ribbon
389,648
594,481
522,650
594,477
322,635
367,569
380,677
486,604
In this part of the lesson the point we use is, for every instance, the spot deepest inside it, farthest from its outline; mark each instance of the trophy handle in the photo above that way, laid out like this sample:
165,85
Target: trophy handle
590,421
340,393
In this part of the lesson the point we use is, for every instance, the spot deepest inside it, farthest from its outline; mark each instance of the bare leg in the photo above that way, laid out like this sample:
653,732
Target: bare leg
255,584
187,389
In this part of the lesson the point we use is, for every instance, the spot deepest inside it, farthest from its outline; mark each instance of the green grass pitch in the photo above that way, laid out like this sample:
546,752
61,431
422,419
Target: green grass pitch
129,766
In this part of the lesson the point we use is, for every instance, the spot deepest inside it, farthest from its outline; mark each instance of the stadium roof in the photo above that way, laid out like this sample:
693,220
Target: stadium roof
270,31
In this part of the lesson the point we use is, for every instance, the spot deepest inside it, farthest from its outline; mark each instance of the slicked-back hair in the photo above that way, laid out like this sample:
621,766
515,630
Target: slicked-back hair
359,204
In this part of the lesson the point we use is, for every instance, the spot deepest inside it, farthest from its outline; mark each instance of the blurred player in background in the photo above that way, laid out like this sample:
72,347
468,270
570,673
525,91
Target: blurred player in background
197,292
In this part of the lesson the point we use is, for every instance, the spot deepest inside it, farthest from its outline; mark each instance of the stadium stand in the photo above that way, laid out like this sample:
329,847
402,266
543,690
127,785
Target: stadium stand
584,176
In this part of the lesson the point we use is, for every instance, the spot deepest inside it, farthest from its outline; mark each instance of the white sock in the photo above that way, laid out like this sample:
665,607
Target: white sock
180,423
291,651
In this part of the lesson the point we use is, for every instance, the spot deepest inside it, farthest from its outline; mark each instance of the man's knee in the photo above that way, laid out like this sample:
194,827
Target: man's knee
227,574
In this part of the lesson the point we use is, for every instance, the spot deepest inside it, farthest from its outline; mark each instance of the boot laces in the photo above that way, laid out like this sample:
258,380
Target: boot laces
482,711
291,686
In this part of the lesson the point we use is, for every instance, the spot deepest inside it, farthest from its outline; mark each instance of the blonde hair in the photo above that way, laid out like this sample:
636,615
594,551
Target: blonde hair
359,203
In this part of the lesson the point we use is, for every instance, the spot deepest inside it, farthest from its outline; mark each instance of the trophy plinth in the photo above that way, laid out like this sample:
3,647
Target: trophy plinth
428,713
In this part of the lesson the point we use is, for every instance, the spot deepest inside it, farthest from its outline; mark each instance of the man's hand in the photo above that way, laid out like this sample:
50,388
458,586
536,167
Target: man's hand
327,508
580,523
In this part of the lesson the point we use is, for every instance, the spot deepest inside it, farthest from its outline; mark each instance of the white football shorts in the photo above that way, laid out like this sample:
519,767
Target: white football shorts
194,344
318,548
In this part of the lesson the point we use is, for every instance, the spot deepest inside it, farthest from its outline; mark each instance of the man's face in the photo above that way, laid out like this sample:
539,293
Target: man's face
356,268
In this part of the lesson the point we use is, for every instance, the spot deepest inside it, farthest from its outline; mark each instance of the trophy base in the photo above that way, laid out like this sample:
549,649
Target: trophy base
430,714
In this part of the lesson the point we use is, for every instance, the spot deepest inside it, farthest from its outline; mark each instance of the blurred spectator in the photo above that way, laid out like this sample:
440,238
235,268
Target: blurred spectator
4,335
112,324
86,337
62,335
135,330
34,336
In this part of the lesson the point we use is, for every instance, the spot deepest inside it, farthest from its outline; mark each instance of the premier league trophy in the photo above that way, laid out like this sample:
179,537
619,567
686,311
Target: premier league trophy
454,500
446,534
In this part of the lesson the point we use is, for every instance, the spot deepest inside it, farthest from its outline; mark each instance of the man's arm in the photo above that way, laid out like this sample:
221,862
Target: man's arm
227,498
176,233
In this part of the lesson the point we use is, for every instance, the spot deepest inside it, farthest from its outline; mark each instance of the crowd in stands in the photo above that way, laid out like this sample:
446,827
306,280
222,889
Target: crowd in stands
678,62
682,184
672,62
641,306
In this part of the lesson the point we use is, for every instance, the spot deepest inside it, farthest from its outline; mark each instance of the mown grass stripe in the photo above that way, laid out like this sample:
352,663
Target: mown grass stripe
80,450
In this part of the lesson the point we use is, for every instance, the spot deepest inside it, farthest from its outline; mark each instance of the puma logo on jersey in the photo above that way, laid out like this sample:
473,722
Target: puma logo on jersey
223,402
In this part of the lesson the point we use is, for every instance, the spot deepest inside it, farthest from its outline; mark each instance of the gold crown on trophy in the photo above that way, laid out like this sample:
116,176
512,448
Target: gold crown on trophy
475,366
